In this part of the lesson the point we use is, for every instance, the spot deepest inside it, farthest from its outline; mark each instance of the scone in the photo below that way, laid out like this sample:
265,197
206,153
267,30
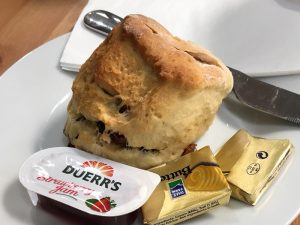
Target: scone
144,95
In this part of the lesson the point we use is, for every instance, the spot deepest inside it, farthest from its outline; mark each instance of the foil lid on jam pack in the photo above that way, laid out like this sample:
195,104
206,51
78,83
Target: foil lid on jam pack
86,182
251,164
190,186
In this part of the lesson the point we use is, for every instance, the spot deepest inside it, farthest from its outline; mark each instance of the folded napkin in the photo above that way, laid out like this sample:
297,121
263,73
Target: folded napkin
258,37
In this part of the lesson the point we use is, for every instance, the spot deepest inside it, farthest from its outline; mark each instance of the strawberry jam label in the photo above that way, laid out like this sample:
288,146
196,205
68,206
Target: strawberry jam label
95,185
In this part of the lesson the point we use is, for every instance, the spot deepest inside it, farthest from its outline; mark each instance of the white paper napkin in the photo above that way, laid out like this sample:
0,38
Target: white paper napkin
258,37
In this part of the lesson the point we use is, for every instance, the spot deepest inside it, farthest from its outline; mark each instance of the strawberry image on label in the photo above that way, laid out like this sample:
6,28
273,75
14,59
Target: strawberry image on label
102,205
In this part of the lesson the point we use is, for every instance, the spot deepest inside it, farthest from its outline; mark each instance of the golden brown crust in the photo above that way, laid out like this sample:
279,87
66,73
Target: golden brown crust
174,59
145,95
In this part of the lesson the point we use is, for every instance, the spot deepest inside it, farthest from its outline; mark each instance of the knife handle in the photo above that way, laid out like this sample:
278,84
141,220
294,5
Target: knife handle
101,21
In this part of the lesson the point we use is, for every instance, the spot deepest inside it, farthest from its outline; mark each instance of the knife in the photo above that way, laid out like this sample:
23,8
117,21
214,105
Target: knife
266,97
249,91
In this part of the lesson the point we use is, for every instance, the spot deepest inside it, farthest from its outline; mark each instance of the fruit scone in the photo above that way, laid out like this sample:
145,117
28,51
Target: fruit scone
144,95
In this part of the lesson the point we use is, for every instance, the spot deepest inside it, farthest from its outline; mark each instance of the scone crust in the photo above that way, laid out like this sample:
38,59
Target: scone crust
155,92
172,58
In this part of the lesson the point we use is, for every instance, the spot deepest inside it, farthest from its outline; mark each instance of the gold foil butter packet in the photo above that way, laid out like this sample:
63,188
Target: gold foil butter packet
251,163
190,186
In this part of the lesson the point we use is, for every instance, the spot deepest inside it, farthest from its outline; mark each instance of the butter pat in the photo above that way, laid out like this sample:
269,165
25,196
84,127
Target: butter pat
251,163
190,186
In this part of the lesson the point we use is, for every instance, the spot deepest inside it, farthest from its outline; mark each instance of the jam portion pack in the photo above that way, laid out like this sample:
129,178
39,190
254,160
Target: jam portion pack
87,183
190,186
251,164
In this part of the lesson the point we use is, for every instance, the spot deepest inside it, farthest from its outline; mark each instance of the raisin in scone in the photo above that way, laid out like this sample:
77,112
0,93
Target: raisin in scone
144,95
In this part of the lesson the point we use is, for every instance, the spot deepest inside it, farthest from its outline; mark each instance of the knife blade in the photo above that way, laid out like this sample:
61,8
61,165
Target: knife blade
254,93
266,97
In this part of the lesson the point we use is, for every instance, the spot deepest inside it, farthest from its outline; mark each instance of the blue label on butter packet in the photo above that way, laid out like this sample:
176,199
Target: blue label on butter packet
177,188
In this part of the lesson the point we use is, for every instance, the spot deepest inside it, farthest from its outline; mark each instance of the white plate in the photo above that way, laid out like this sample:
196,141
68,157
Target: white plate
34,94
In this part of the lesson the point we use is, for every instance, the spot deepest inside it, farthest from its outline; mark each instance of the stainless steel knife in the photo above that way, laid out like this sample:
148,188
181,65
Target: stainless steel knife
266,97
249,91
